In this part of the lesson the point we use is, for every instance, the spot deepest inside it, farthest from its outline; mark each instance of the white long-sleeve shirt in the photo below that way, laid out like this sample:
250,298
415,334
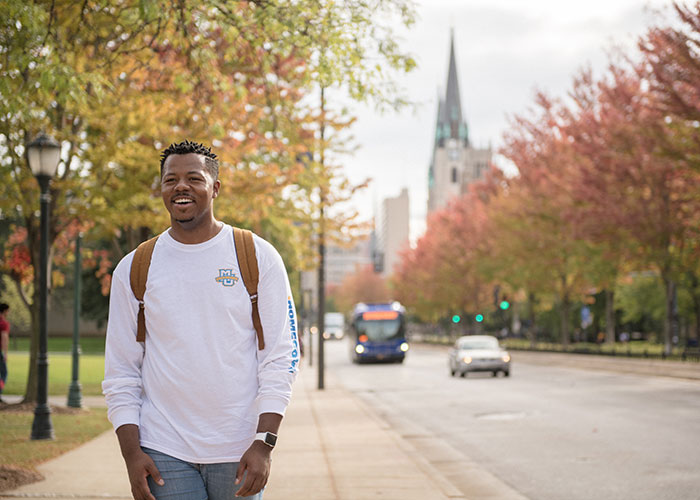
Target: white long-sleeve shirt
198,385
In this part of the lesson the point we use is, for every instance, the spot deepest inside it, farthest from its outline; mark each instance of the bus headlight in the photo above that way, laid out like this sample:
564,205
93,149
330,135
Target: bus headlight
359,348
404,347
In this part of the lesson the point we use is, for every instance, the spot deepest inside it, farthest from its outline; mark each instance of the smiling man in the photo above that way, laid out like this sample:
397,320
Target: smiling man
197,412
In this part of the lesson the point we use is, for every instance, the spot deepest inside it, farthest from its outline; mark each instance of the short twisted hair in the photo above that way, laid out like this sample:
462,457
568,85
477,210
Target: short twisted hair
186,147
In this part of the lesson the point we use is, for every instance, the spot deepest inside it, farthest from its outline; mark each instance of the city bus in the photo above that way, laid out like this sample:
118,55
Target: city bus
378,332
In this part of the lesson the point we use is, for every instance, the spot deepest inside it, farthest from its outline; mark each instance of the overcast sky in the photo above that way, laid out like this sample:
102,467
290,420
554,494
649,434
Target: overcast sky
505,50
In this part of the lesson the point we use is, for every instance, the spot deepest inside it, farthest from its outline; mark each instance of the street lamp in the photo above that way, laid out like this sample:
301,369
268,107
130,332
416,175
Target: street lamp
43,154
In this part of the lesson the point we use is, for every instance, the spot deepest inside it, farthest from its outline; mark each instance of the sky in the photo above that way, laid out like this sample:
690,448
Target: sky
505,50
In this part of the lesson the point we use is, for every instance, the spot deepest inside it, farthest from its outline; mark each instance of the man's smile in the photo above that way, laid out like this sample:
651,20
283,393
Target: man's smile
182,200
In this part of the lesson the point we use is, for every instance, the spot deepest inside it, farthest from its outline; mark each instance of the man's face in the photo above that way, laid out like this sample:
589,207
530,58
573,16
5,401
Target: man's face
188,190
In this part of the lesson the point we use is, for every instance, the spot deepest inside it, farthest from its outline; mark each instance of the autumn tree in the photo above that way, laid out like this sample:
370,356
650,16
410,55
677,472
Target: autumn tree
115,84
442,275
364,285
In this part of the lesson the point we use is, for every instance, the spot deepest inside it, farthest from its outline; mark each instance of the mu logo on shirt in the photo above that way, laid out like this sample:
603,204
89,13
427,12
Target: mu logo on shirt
226,277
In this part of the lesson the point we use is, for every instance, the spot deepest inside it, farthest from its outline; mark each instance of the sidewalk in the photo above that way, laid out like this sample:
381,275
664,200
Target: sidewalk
331,447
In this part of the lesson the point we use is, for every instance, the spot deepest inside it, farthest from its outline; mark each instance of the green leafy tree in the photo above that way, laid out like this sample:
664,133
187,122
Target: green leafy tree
116,83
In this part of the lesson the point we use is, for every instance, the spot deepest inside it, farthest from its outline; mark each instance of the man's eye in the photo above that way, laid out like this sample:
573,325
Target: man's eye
168,181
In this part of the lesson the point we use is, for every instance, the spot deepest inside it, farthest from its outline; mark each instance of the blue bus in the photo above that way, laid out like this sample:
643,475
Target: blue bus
378,332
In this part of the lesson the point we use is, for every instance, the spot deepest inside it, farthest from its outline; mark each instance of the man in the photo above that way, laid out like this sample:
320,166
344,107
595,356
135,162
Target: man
191,405
4,344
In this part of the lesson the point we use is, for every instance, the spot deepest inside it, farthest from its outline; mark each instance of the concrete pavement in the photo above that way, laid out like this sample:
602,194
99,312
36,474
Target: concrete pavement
331,447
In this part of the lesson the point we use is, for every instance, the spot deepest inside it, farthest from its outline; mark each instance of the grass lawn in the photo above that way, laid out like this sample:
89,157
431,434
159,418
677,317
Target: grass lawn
20,454
71,429
88,345
91,373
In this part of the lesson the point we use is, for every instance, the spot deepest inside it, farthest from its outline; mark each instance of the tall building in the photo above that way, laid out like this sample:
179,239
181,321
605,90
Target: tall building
394,230
455,163
342,261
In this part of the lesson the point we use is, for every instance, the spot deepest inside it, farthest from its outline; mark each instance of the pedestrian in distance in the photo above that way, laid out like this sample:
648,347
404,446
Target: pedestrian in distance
4,344
197,402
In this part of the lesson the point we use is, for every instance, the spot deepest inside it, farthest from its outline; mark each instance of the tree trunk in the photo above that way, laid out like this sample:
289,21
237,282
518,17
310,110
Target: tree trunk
33,241
695,294
32,379
532,327
565,313
669,319
609,317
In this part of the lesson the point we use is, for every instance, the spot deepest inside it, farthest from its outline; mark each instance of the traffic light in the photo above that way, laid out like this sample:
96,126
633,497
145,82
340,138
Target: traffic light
504,304
479,318
456,318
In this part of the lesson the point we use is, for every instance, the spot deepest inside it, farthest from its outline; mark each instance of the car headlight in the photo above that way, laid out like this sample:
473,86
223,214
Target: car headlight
359,348
404,347
467,359
505,358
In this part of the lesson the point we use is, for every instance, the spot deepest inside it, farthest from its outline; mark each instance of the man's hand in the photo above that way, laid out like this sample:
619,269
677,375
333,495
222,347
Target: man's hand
140,466
255,464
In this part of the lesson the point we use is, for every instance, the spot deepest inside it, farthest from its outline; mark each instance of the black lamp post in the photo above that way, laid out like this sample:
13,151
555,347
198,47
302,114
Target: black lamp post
43,154
74,392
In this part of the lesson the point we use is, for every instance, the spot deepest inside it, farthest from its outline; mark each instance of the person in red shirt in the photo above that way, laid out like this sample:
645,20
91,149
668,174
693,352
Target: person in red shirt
4,343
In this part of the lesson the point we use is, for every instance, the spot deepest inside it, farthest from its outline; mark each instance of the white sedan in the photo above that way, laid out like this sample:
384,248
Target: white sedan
478,353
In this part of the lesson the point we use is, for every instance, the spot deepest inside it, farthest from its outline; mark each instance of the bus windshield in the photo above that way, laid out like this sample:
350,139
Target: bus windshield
378,330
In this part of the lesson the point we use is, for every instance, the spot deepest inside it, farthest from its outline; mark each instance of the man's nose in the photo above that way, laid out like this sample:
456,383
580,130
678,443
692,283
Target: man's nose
182,184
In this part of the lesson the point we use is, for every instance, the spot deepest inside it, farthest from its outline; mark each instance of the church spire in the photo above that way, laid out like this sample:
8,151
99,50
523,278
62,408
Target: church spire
451,117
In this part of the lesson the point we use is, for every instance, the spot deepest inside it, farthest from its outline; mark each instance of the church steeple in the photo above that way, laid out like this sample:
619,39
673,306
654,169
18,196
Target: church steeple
455,163
451,124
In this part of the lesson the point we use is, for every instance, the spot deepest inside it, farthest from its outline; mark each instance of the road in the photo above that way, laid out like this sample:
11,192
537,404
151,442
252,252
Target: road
548,432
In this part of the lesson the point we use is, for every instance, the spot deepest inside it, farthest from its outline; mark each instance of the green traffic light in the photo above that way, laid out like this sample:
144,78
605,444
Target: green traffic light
505,304
479,318
456,318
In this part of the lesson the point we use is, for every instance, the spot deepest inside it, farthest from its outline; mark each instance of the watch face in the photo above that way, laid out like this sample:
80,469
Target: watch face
270,439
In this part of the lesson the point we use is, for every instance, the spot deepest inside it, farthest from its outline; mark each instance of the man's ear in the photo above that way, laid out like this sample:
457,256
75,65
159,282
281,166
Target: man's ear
217,186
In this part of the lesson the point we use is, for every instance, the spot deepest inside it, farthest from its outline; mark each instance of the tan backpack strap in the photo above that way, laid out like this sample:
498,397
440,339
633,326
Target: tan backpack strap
139,274
248,264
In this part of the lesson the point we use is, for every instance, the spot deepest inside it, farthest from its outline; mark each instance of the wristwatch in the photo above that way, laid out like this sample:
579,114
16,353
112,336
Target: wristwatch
268,438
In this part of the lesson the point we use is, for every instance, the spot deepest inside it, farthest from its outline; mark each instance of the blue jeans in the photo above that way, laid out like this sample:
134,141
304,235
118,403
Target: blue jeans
188,481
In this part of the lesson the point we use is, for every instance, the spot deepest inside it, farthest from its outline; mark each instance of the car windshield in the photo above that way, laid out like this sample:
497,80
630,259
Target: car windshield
476,344
377,330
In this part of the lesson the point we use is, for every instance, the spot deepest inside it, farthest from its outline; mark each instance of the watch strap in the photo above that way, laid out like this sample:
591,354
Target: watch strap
268,438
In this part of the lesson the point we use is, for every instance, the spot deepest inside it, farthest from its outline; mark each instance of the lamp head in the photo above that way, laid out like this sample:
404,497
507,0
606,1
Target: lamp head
43,154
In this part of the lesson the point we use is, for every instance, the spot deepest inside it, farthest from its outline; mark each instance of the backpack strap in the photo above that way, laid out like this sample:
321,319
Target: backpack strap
139,274
248,264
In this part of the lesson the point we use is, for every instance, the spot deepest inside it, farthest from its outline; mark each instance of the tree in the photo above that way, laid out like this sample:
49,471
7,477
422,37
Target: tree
542,219
656,218
115,84
364,285
442,275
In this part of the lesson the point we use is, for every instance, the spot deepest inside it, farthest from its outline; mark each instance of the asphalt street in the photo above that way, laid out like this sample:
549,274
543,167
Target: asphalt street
548,432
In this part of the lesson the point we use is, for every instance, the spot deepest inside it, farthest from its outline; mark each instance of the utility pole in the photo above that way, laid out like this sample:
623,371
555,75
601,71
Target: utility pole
322,245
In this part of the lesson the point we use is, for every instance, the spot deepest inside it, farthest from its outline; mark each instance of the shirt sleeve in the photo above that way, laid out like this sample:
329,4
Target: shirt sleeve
278,363
122,384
